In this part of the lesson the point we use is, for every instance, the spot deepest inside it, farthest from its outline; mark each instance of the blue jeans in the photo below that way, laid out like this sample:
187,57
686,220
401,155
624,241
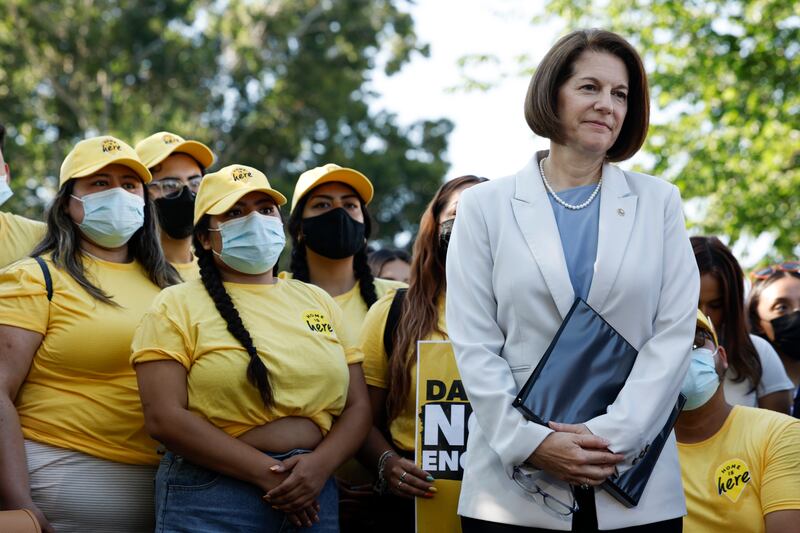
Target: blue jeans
193,499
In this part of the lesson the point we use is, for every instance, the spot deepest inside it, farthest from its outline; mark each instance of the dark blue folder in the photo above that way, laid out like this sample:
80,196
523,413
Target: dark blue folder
579,376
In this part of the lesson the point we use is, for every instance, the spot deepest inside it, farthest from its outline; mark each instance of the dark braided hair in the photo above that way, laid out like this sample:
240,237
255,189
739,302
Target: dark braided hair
366,281
257,373
299,261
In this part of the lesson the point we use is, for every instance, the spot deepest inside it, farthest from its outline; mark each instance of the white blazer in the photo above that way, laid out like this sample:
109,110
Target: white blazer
508,290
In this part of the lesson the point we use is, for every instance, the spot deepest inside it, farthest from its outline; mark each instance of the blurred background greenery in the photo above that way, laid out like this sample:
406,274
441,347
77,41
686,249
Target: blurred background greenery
279,85
284,85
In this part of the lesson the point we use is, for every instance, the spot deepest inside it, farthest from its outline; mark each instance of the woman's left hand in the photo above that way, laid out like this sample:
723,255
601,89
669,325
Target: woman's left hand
305,481
580,429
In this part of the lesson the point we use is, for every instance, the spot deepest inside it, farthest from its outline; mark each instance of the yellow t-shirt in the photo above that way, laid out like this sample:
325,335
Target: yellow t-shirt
749,468
296,329
188,271
81,392
18,236
354,308
376,367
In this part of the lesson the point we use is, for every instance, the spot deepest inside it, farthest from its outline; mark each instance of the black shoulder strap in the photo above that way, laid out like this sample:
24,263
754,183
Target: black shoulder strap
48,279
392,319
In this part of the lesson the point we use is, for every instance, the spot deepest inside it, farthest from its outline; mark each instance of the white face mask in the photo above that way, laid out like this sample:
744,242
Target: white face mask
111,217
251,244
701,380
5,190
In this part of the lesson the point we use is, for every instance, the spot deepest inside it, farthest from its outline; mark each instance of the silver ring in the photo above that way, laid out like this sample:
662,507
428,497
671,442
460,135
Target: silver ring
400,484
403,475
585,486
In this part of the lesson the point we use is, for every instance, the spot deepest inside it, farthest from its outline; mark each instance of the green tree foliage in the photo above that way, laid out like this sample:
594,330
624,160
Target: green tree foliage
280,85
726,75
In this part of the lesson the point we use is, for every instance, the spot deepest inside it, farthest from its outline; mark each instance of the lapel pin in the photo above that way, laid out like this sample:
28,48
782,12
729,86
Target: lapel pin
621,212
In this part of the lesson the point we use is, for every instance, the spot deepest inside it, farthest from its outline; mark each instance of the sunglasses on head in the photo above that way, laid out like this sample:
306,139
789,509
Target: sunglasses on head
790,266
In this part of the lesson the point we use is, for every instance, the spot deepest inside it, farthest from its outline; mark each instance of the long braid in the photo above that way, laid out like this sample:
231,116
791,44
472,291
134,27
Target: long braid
257,373
366,281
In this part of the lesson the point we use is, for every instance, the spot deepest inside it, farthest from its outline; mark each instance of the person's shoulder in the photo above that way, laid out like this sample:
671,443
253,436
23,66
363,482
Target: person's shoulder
647,185
25,267
27,274
492,188
764,422
762,346
19,221
287,283
185,294
308,290
382,305
386,286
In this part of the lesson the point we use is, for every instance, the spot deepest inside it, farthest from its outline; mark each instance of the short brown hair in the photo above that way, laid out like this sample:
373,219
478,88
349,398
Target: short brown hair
541,102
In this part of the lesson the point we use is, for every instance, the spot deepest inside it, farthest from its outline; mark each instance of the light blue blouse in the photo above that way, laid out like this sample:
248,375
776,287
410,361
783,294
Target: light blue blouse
578,231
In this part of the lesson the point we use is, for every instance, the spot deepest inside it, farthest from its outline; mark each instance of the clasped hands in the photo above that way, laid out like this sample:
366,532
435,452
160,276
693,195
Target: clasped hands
574,454
300,480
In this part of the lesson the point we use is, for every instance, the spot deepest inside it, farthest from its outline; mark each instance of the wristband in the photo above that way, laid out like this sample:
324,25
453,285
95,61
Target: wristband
381,484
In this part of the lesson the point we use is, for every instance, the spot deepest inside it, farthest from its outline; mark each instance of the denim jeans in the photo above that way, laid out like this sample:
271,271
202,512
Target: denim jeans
193,499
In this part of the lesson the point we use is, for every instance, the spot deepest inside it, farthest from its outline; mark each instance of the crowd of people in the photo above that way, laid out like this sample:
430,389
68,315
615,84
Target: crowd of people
159,373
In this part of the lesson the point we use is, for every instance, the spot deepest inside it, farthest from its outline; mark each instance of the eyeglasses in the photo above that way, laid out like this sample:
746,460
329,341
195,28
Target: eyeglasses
172,187
790,266
527,483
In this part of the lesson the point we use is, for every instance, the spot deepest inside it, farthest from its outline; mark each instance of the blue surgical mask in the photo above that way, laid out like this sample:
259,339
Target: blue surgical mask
111,217
701,381
5,190
251,244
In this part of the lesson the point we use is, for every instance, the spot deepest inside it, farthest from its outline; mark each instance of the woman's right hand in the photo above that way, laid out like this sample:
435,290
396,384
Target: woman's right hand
577,458
406,479
273,477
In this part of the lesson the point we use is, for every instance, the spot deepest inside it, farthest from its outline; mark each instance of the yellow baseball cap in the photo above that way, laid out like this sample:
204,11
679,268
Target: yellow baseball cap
159,146
90,155
704,323
332,172
221,189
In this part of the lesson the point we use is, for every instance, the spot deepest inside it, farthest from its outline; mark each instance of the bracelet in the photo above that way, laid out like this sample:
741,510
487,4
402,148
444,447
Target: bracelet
381,484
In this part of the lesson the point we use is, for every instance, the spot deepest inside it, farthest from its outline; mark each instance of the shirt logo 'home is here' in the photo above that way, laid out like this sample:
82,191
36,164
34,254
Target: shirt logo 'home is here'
732,477
317,322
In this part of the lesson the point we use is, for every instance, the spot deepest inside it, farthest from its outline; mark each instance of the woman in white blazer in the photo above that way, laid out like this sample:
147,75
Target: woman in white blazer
572,224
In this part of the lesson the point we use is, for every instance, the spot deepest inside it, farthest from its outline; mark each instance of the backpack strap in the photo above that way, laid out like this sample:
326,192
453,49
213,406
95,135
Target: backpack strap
48,279
392,319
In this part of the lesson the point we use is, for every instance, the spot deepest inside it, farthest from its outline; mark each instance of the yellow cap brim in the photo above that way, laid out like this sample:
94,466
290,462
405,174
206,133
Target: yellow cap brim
197,150
704,322
227,201
355,179
133,164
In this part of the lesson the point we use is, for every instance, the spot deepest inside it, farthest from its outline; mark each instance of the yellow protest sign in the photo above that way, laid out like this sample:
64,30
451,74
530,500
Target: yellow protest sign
443,412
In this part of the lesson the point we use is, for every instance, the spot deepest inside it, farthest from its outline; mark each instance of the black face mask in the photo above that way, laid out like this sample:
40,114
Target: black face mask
175,214
445,230
334,234
787,334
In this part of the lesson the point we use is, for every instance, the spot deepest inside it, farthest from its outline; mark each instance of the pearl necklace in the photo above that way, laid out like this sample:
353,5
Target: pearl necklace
562,202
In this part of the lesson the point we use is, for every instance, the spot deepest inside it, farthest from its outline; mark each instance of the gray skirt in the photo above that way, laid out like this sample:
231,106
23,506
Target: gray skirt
80,493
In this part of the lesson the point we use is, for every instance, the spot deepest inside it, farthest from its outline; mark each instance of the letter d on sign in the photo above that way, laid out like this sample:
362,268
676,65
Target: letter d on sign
436,389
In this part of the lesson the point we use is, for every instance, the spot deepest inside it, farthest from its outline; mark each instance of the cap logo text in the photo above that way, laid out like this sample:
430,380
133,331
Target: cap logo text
241,174
170,139
110,146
